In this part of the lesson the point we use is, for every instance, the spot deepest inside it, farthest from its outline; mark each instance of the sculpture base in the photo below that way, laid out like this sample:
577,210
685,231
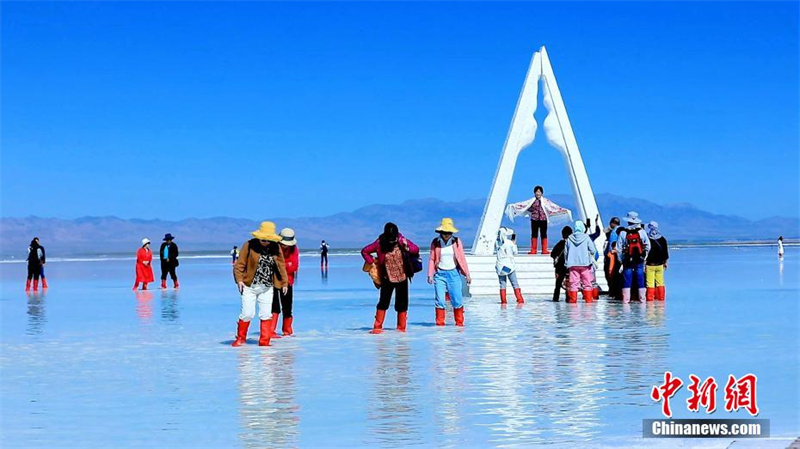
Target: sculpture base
535,274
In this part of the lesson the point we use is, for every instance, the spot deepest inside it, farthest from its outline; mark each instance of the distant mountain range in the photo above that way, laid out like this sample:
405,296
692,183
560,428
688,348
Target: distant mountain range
416,219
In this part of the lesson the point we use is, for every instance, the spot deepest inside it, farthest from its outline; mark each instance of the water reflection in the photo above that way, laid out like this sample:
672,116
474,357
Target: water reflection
36,313
393,413
269,409
144,306
170,311
450,358
324,273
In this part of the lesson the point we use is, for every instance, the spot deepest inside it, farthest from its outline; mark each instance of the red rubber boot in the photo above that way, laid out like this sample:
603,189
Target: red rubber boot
241,333
572,297
35,285
28,286
265,332
458,314
274,321
588,295
402,320
518,295
661,293
533,246
544,246
44,283
651,293
175,284
503,297
439,316
287,326
135,285
377,328
164,285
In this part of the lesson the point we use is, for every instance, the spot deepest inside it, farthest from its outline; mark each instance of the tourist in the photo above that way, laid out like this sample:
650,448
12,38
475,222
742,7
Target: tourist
579,253
168,254
393,252
36,260
609,259
323,251
234,254
656,264
632,248
506,249
560,262
283,301
780,248
261,270
542,213
446,265
144,265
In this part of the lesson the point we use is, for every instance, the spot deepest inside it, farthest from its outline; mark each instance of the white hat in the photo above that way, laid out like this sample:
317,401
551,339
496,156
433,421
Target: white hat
145,241
287,237
633,217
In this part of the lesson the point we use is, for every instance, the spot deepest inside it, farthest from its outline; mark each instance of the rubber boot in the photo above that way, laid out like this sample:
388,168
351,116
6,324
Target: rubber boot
274,326
651,293
596,293
518,295
588,295
287,326
241,333
135,285
44,283
164,284
377,328
402,319
266,333
661,293
439,316
36,285
626,295
642,294
503,297
533,246
175,284
28,286
544,246
144,285
572,297
458,314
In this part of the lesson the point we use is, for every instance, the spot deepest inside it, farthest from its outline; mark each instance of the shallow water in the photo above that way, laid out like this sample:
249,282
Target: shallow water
93,364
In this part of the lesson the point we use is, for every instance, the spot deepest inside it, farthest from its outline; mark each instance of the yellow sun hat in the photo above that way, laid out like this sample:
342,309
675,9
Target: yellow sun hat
447,226
266,232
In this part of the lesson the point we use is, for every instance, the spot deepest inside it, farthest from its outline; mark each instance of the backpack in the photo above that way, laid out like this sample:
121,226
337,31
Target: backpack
634,248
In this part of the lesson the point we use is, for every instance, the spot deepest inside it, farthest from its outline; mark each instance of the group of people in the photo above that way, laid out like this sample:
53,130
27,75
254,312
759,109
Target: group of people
167,255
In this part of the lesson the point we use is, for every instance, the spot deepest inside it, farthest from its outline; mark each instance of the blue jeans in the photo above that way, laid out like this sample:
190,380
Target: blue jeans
511,277
629,272
447,281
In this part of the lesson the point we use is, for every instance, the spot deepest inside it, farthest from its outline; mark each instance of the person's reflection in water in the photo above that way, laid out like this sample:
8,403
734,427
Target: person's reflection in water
393,415
268,405
170,312
36,316
324,273
450,355
144,305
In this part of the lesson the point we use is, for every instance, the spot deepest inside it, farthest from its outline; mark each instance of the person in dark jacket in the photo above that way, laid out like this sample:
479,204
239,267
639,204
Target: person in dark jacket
36,261
656,263
559,262
168,254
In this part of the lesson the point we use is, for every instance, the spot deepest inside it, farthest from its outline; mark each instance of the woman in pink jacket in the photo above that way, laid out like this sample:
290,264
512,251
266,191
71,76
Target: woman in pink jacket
445,267
393,252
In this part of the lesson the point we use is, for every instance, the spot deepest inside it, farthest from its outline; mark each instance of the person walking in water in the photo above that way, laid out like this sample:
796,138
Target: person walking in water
506,249
579,253
257,273
323,252
656,263
36,260
234,254
168,254
560,262
144,265
632,248
393,252
446,265
780,247
283,301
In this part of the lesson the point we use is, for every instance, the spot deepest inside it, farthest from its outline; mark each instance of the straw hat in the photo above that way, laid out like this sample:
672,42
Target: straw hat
266,232
447,226
287,237
145,241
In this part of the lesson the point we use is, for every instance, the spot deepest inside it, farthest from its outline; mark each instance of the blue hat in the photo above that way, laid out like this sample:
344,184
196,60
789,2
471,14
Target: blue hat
168,236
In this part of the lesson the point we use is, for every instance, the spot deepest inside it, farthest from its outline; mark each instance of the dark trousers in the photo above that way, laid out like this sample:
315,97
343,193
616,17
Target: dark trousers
168,268
324,259
34,271
560,276
400,296
613,278
538,227
279,300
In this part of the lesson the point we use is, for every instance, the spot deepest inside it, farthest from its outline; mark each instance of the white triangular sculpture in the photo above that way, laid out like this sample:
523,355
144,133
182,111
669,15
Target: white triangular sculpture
523,129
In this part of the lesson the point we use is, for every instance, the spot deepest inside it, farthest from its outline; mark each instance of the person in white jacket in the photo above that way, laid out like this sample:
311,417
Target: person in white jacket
506,248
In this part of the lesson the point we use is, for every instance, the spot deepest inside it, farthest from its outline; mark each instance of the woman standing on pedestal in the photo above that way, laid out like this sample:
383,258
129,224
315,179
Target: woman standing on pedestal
446,265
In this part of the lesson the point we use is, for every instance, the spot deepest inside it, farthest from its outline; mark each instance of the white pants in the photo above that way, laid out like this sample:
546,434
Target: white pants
256,294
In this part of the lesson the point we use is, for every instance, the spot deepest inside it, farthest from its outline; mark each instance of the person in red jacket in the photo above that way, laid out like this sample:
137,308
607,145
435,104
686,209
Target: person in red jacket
280,300
144,267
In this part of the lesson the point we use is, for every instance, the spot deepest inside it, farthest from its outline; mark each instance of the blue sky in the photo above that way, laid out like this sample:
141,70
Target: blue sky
257,109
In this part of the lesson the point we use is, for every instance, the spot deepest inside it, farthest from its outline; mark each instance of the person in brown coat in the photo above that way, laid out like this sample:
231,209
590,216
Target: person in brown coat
259,269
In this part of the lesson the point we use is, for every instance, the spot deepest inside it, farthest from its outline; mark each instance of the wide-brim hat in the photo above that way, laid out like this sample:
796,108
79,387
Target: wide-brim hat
266,232
145,241
168,236
447,226
287,237
633,217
